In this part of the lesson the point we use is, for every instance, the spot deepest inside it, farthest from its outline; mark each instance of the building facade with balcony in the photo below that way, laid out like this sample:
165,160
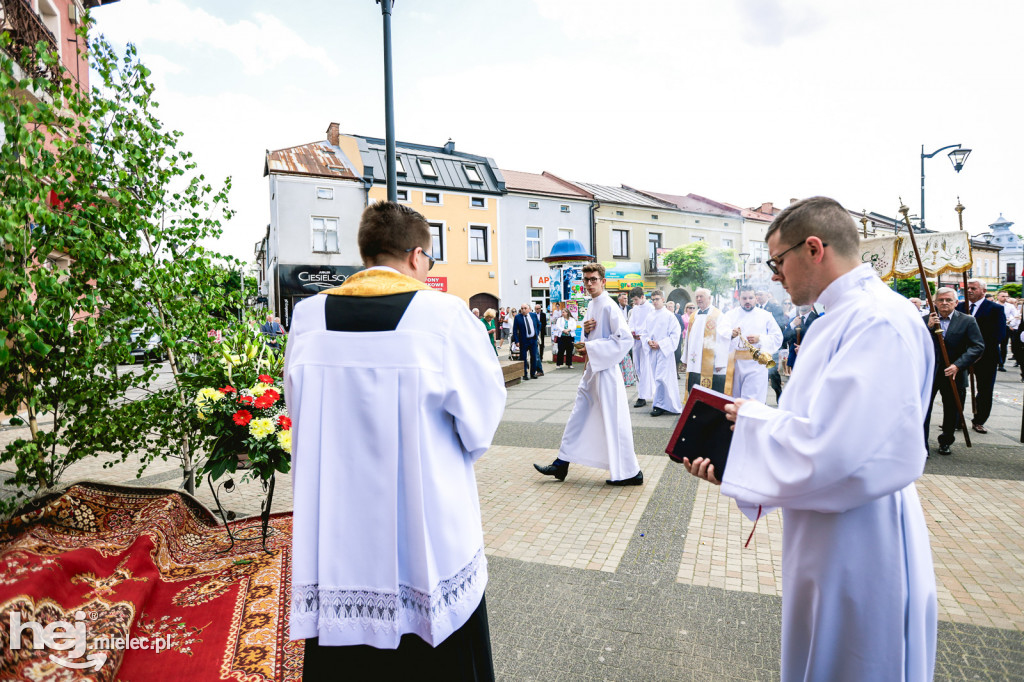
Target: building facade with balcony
1011,259
539,210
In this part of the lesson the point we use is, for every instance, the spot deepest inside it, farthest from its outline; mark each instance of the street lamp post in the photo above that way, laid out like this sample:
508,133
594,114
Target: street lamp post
389,102
744,256
958,156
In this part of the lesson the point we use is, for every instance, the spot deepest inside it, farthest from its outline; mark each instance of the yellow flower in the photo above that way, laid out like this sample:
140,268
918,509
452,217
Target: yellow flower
259,389
208,394
284,439
261,428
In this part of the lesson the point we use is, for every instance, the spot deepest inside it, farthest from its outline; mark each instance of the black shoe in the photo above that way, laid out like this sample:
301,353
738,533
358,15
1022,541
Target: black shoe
657,412
558,472
640,402
944,450
1002,369
526,378
636,480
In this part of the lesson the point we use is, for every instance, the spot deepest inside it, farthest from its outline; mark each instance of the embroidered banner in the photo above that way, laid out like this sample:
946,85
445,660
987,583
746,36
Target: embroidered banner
941,253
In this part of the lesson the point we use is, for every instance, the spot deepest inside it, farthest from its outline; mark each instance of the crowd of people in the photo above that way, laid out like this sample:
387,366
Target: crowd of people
389,578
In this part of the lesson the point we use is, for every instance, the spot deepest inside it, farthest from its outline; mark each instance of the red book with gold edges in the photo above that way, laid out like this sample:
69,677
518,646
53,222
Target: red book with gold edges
702,429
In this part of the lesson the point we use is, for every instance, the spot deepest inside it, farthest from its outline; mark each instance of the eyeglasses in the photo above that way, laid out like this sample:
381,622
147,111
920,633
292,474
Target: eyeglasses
591,280
774,263
430,259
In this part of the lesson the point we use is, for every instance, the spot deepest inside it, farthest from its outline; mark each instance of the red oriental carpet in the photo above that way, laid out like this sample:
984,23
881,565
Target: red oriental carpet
127,568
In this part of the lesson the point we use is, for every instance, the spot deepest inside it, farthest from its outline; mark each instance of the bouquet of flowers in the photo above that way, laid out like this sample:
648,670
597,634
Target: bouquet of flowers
242,410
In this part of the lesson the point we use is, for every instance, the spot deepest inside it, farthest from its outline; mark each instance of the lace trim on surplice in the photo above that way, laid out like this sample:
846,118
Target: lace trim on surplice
380,610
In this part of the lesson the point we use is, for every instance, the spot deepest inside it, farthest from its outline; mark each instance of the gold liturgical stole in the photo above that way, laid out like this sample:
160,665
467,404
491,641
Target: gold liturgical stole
707,361
376,283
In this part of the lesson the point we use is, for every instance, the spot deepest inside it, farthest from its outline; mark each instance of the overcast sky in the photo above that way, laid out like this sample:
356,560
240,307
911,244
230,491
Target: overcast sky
742,101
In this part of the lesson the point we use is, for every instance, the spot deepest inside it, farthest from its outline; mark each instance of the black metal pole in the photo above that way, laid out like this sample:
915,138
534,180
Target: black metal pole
389,102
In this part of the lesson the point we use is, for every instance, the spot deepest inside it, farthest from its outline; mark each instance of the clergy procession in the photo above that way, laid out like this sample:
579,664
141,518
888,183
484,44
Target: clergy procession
390,575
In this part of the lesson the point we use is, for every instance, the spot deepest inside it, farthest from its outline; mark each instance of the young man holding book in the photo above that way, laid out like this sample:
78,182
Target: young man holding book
840,456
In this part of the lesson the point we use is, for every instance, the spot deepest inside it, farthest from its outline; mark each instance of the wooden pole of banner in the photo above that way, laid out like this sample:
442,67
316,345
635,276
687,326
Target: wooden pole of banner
970,370
938,332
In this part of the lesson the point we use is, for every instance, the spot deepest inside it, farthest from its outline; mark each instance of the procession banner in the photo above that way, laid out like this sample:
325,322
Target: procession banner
941,253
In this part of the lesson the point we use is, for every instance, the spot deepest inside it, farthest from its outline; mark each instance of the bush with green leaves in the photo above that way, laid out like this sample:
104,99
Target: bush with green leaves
104,226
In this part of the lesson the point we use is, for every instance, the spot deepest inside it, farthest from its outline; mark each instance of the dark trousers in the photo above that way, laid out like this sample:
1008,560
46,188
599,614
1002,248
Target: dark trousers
950,417
465,655
565,350
1017,348
1002,347
717,381
530,366
540,347
985,383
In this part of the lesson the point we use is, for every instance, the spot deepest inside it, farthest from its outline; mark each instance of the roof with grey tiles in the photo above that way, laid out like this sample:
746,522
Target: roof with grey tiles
453,170
621,195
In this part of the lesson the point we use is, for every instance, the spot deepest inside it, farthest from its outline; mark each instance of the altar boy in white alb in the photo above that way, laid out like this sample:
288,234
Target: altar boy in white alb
840,456
599,432
758,329
661,336
394,392
637,319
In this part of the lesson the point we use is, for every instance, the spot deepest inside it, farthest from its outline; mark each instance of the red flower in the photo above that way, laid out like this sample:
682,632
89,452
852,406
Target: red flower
265,379
284,422
242,417
227,389
246,400
273,395
263,402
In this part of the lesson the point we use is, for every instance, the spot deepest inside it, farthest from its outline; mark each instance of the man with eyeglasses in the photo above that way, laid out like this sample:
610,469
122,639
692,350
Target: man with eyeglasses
840,456
394,391
599,432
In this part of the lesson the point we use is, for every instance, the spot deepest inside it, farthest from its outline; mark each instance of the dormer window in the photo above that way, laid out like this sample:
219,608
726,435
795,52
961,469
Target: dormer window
399,166
427,168
472,173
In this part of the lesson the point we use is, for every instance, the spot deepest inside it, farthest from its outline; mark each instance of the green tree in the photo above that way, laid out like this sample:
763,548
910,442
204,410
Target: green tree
1012,288
102,222
698,265
911,287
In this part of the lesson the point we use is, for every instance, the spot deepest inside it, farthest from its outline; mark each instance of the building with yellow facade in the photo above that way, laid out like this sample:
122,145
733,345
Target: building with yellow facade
458,194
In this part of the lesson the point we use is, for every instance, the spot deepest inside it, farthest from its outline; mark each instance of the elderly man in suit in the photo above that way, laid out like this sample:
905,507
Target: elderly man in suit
992,321
964,345
525,331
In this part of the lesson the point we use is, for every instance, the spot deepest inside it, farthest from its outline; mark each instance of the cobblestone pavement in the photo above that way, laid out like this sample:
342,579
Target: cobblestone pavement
590,582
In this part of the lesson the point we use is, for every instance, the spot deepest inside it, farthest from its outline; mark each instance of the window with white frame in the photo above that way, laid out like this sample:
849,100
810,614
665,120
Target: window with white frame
565,233
472,173
726,243
533,241
478,202
325,235
324,192
620,243
402,194
697,238
437,241
534,204
399,166
564,208
427,168
431,198
620,213
478,243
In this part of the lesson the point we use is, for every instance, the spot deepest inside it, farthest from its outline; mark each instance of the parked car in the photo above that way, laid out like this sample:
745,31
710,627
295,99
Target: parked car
143,349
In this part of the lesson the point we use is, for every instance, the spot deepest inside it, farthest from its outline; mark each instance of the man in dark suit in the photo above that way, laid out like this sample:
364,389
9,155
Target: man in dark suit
525,329
543,317
992,321
965,345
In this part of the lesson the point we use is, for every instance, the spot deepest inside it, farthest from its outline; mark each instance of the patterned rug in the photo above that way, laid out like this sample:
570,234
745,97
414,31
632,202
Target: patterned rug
135,585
